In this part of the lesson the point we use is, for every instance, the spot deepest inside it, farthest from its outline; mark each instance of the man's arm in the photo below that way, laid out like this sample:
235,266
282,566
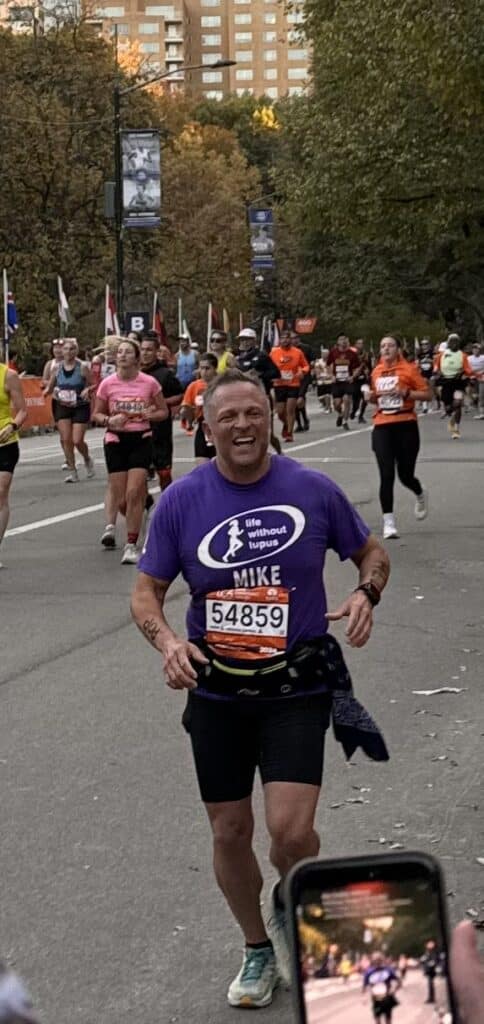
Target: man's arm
14,391
147,603
374,568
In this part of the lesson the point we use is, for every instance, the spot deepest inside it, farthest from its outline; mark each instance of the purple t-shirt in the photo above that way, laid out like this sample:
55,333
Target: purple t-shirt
272,536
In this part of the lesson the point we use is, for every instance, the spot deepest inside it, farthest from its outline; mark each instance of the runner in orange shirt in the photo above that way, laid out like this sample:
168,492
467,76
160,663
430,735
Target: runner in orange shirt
395,387
292,366
192,406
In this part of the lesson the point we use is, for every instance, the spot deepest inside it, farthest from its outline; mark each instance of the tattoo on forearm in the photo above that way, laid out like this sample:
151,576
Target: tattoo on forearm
150,630
379,573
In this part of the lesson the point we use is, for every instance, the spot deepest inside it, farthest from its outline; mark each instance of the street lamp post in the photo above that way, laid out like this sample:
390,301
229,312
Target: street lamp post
118,93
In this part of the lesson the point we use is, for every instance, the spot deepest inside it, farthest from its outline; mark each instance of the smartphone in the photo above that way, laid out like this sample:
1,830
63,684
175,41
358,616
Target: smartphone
369,941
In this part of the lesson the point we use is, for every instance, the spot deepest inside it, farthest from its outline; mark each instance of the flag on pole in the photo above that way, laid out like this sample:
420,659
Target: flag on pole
180,318
111,322
10,318
215,319
64,312
209,324
275,339
186,331
158,321
226,321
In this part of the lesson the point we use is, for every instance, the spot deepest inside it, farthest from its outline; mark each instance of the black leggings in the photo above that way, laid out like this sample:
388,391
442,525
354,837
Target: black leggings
396,444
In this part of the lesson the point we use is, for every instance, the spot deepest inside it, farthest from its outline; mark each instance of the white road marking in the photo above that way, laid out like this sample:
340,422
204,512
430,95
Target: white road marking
86,510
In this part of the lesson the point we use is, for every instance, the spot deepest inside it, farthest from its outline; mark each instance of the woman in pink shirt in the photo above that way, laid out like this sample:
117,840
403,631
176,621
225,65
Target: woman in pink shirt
127,402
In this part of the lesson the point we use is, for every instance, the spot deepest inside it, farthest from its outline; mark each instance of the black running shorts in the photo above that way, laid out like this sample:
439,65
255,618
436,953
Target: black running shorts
449,387
203,450
283,738
163,453
133,450
282,394
9,456
75,413
341,388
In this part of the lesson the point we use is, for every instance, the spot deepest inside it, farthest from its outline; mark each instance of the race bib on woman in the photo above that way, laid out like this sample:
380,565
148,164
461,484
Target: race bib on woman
388,403
66,396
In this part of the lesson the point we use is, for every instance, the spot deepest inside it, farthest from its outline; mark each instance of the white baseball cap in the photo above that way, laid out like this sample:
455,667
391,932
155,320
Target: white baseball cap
247,332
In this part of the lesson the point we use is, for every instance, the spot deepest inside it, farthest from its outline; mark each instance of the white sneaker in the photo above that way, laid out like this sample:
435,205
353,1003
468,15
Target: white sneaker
422,505
73,477
130,555
256,980
90,471
108,539
276,930
389,526
480,416
65,466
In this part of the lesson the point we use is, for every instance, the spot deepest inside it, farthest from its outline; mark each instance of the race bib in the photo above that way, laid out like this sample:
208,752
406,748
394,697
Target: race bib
247,622
134,407
388,403
199,400
342,372
287,375
66,396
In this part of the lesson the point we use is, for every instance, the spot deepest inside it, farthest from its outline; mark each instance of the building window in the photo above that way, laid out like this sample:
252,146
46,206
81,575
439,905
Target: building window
210,3
111,12
149,47
243,19
123,30
272,92
214,40
214,94
297,72
243,56
238,2
149,28
270,73
244,75
243,37
295,90
295,17
160,11
210,58
297,54
270,18
211,21
270,54
269,37
211,76
244,92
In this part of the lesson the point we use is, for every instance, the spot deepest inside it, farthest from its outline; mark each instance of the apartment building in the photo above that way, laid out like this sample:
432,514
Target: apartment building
158,29
260,35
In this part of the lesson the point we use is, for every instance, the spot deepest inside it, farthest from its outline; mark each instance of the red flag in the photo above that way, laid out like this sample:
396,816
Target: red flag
158,324
216,324
111,324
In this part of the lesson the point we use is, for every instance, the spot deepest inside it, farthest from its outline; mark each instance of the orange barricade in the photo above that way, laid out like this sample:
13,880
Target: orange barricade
39,408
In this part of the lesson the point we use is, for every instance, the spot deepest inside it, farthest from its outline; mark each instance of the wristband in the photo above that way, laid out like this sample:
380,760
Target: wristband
370,592
13,426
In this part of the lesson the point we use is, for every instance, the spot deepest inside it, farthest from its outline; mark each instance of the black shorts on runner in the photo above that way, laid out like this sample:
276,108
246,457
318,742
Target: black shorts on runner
284,738
9,456
282,394
341,388
323,389
203,450
449,387
162,453
134,450
75,413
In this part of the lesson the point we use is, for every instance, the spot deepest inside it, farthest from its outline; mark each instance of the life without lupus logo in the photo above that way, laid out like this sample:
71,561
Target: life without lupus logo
250,536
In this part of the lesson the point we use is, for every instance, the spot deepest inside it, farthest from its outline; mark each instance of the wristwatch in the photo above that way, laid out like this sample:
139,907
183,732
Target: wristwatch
371,592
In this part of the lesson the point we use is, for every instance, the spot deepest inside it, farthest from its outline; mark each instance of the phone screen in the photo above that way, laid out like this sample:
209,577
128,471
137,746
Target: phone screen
373,950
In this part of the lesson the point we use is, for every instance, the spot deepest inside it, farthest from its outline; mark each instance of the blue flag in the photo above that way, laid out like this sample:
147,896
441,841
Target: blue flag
12,318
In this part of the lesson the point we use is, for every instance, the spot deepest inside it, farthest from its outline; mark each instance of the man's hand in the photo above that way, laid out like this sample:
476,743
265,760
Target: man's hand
467,973
358,610
178,669
6,433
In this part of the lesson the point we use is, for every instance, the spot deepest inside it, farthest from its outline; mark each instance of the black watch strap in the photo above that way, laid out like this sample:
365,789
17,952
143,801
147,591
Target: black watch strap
371,592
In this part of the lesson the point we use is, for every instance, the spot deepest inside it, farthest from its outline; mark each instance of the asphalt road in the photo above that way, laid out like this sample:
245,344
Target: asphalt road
108,904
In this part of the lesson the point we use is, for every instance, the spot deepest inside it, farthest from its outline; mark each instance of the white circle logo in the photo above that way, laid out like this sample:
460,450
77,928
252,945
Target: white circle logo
251,535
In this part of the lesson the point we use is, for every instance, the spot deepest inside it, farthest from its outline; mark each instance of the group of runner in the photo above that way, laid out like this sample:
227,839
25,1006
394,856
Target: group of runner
133,387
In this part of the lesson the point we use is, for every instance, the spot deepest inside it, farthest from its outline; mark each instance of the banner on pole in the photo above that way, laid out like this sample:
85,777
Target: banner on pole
141,178
137,321
261,225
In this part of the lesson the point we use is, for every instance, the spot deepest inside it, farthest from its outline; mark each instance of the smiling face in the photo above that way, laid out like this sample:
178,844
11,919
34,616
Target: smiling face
149,352
238,420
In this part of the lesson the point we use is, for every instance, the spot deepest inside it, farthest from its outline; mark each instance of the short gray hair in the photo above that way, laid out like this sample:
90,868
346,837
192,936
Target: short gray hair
231,376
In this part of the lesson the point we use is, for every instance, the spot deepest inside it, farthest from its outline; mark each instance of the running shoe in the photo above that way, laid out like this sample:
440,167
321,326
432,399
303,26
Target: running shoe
480,416
90,471
255,983
346,425
451,425
65,466
276,930
73,477
455,433
389,527
288,437
108,539
339,421
422,505
130,555
284,433
361,419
